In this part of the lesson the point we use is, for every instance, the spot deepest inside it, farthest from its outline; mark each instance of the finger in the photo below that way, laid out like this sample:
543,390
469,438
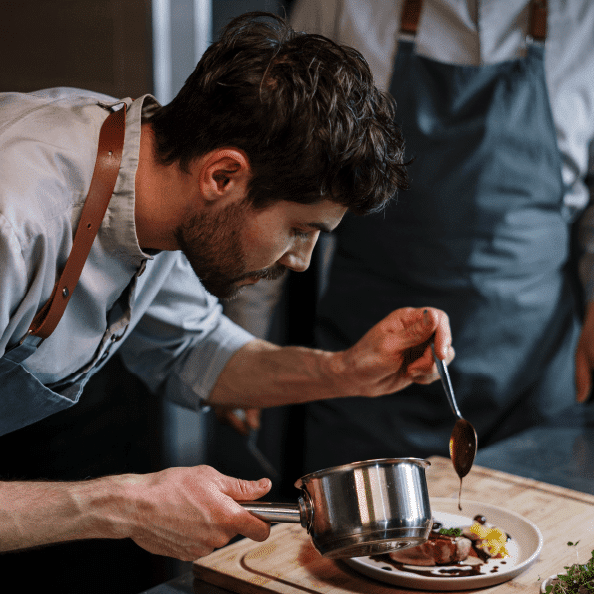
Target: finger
245,523
252,418
174,550
252,527
240,425
424,370
426,379
418,326
242,490
583,379
442,339
431,325
235,418
424,363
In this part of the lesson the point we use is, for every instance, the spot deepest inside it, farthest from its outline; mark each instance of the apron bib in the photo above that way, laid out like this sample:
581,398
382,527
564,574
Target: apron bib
25,400
482,235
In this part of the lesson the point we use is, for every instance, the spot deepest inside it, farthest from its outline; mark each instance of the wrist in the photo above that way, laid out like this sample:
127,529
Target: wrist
106,506
339,370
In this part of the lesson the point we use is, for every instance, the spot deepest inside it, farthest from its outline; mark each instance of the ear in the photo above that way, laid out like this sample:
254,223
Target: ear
223,174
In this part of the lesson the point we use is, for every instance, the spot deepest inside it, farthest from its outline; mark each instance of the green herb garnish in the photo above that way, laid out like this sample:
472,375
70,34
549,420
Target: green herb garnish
450,531
578,579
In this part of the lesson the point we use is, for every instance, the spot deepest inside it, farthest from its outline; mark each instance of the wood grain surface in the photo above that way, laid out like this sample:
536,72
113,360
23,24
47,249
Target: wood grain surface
287,562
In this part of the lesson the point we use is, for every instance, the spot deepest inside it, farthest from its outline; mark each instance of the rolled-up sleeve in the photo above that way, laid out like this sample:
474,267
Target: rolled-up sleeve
182,341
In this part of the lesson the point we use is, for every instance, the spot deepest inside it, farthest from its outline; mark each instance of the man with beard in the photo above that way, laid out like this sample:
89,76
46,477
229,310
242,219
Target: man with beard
272,139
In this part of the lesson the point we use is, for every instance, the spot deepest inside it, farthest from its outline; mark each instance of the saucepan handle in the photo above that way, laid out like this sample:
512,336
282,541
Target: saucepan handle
273,512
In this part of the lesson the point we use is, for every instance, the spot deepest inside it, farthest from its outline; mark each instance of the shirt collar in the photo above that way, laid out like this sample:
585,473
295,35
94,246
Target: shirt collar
119,227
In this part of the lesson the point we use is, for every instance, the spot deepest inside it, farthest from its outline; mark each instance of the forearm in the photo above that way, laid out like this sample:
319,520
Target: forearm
389,357
39,513
180,512
264,375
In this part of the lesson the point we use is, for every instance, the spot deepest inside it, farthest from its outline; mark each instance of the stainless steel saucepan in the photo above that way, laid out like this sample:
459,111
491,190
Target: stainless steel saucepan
363,508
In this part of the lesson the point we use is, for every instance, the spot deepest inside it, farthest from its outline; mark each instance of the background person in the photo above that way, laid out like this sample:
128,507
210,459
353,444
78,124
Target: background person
501,129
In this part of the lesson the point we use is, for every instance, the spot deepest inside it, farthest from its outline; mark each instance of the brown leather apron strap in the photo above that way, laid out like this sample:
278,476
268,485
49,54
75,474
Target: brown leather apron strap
538,20
107,166
411,12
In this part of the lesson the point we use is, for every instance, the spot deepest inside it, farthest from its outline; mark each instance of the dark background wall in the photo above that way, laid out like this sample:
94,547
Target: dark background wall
101,45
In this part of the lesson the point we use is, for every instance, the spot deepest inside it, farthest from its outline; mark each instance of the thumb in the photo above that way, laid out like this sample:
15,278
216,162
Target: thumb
420,329
243,490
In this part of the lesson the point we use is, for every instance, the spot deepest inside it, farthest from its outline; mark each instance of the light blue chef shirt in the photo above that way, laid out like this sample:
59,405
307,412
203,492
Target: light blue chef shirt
175,336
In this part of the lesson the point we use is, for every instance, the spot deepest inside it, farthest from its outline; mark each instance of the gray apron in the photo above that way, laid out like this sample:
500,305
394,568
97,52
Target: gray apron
481,234
25,399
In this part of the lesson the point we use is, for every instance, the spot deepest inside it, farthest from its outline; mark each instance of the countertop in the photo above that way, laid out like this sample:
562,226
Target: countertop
560,456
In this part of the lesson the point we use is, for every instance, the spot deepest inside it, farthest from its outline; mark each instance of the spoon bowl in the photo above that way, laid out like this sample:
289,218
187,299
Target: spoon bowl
463,447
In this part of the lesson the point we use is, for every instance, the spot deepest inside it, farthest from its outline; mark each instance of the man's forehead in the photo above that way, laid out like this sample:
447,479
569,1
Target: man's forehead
323,215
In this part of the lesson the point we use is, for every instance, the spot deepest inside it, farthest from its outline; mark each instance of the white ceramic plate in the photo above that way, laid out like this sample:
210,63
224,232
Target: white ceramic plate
524,548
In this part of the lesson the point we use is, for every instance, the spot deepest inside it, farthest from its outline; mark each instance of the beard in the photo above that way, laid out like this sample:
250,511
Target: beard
212,245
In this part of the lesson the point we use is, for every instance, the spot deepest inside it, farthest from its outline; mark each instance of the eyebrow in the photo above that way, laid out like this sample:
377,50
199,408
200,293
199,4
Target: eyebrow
321,227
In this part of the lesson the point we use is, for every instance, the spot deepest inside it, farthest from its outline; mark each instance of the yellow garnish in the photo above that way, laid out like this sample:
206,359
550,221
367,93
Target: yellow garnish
493,538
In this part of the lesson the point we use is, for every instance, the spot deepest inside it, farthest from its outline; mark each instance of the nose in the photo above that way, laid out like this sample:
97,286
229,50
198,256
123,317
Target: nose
298,257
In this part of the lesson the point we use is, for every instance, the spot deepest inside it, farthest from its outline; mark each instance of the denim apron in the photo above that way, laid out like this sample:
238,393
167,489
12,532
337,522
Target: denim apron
481,234
26,400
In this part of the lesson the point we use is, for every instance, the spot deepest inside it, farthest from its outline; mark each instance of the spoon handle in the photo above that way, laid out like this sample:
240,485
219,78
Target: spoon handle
446,382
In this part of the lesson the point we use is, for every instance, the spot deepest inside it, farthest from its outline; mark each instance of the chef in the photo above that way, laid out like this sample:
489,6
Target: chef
230,183
496,104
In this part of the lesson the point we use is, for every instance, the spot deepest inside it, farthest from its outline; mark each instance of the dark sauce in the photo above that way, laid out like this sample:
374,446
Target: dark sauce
462,451
453,570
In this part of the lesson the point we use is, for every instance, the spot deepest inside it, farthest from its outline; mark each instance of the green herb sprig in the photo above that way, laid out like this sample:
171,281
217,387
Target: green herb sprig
450,531
578,579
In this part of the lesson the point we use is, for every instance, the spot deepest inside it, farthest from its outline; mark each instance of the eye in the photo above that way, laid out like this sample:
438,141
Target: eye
301,234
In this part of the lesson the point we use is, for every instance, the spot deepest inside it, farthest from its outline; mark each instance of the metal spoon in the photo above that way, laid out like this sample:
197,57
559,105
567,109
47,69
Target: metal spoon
463,439
254,450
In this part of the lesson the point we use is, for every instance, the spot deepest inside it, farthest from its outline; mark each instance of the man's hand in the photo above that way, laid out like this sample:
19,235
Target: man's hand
242,420
186,513
180,512
584,357
396,352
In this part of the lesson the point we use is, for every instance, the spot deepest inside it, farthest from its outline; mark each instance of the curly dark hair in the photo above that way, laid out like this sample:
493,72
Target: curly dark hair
304,109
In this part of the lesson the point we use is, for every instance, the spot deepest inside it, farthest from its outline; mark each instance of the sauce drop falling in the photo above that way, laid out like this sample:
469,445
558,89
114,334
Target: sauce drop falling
462,451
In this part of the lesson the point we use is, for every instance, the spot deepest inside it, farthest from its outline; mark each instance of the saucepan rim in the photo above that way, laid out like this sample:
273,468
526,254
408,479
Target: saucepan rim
362,464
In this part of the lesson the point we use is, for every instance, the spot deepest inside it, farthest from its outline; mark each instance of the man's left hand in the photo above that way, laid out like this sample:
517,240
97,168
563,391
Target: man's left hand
584,357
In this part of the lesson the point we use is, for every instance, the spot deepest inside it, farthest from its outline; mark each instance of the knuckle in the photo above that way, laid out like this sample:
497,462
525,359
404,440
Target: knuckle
220,540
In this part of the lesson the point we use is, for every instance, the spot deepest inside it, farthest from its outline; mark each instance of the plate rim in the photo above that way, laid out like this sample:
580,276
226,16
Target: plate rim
455,583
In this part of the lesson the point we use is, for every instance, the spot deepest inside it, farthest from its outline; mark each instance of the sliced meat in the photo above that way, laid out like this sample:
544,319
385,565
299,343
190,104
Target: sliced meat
438,550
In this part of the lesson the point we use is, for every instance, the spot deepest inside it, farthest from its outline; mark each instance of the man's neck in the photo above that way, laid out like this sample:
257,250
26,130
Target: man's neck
159,193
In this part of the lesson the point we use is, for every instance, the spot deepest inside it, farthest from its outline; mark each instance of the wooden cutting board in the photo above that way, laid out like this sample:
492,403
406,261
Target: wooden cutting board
287,562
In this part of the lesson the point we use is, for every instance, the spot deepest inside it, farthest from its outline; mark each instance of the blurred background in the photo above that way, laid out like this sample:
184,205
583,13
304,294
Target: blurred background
124,48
